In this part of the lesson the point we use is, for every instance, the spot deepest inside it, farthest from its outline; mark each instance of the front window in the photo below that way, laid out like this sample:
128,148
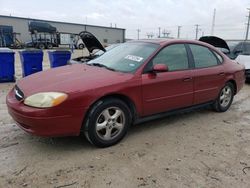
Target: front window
127,57
174,56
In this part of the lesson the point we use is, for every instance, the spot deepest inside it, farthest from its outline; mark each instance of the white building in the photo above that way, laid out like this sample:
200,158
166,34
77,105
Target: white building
108,35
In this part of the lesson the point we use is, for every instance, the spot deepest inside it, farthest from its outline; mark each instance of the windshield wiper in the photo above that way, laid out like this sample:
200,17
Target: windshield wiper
101,65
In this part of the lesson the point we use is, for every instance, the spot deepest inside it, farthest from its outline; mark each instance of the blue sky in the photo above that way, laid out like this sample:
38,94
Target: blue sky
145,15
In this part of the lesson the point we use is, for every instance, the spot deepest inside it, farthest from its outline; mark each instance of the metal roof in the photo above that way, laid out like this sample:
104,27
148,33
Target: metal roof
34,19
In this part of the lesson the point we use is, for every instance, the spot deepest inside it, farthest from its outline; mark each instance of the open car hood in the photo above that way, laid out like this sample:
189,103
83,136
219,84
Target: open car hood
91,42
215,41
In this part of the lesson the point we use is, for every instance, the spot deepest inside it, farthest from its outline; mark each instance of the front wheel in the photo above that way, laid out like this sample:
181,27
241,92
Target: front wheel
225,98
107,122
41,46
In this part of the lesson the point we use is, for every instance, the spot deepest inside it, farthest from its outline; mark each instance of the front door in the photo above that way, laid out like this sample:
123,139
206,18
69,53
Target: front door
164,91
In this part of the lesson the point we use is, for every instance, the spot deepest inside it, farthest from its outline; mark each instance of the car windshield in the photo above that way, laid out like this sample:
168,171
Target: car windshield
127,57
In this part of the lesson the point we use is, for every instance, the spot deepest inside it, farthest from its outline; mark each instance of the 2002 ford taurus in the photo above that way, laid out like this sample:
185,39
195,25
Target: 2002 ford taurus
135,81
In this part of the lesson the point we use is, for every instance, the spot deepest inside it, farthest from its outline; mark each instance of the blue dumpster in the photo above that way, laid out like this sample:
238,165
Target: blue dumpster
58,58
32,61
7,65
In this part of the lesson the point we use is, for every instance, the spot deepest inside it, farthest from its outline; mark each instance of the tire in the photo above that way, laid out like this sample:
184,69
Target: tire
41,46
49,46
80,46
107,122
222,104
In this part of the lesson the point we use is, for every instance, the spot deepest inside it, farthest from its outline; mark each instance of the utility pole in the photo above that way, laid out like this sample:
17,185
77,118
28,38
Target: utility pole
213,23
86,20
138,33
196,31
248,23
164,32
167,33
179,32
159,36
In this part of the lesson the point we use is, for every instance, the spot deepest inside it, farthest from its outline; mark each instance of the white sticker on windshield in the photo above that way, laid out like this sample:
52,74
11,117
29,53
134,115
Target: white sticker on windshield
134,58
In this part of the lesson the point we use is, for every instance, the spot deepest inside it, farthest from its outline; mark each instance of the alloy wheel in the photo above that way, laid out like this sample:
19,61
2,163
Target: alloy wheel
110,123
225,96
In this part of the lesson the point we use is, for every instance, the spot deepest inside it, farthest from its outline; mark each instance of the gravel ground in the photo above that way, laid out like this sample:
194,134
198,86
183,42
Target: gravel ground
197,149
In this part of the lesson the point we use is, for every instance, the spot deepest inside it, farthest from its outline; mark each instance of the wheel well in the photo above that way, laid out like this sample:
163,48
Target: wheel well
123,98
235,86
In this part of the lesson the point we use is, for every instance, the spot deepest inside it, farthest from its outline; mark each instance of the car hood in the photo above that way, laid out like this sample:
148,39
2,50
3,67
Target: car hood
91,42
215,41
71,78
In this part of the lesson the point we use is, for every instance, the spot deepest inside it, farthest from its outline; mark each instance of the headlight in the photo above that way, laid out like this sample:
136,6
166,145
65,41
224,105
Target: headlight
46,99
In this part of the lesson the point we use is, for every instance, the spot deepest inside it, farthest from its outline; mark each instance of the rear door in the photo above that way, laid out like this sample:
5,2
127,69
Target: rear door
169,90
209,73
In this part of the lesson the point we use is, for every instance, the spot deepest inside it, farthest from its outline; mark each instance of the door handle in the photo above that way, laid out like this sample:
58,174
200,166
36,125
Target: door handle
187,79
221,74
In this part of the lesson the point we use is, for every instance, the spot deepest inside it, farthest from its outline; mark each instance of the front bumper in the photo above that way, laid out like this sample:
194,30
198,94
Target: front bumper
50,122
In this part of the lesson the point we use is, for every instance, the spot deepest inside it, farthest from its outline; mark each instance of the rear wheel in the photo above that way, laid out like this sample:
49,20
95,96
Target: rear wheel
41,46
49,46
225,98
107,122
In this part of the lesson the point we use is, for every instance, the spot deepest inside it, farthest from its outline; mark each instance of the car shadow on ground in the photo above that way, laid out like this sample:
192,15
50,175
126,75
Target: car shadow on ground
80,142
178,119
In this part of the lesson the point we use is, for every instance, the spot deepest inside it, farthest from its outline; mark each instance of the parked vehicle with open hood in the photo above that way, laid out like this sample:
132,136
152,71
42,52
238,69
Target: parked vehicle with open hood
94,47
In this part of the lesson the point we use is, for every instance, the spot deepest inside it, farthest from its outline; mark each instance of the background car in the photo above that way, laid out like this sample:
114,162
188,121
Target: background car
95,54
93,46
132,83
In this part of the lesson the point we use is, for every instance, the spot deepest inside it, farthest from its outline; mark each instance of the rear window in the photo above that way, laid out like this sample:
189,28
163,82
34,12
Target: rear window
203,57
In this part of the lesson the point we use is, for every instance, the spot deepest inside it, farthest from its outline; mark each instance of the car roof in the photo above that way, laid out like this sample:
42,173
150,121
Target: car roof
164,42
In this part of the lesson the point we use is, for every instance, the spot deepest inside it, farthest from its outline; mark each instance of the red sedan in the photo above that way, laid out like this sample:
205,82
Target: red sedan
136,81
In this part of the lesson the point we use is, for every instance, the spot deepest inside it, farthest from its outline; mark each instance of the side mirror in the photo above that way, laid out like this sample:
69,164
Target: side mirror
160,68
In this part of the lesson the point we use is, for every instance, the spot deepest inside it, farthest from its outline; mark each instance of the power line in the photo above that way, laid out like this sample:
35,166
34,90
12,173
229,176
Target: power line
248,23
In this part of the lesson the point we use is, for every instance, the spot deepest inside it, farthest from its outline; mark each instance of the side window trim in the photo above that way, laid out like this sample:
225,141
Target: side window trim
190,64
218,61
